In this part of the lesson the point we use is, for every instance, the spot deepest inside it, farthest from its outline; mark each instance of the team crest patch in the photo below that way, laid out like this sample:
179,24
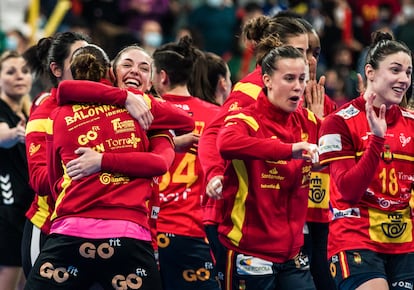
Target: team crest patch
357,258
348,112
387,155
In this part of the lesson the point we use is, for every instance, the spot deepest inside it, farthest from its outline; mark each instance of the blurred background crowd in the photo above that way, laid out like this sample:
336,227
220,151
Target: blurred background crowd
344,27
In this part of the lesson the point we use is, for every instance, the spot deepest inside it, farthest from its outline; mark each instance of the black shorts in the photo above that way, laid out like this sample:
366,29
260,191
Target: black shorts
352,268
67,262
186,263
10,244
248,272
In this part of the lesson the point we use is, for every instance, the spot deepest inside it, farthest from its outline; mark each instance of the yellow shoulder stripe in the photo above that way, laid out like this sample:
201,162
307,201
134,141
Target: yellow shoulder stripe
147,100
247,119
311,116
38,125
249,89
326,161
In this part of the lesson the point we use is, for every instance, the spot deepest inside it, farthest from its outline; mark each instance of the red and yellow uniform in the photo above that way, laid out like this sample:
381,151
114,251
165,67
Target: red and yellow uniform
182,188
371,201
109,130
265,191
42,205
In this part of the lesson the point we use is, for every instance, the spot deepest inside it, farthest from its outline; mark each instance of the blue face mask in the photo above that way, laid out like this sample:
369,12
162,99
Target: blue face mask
11,43
153,39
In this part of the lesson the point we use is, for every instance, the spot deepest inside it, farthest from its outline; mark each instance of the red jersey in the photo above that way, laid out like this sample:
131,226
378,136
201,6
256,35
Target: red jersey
182,188
86,91
370,196
265,192
42,205
165,115
245,93
112,131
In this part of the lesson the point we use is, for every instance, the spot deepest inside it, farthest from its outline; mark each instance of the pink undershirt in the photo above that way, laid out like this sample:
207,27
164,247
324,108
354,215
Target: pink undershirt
91,228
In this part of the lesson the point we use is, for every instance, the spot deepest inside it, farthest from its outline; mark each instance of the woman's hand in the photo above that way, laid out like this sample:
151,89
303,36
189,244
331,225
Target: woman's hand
305,150
377,124
215,187
87,163
139,110
185,141
315,96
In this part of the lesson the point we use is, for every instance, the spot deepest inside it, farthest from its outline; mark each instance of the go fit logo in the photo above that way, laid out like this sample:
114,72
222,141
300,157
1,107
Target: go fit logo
104,250
132,281
201,274
60,274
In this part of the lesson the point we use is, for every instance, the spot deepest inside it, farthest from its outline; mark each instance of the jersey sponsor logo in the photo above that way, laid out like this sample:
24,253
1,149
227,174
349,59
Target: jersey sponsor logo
200,274
123,126
249,265
270,186
273,174
319,190
348,112
352,212
85,112
330,143
174,196
390,227
91,135
107,178
104,250
130,142
404,176
131,281
387,203
164,240
59,275
155,210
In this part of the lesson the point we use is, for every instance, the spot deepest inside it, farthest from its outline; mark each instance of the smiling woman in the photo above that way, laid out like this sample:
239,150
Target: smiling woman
367,147
16,194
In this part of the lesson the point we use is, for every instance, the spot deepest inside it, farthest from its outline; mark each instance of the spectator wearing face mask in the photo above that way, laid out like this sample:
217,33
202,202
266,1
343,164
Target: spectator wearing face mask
135,12
405,30
151,35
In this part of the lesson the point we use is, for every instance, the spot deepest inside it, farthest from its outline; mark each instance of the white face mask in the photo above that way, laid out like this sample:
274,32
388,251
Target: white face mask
215,3
408,11
153,39
11,43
